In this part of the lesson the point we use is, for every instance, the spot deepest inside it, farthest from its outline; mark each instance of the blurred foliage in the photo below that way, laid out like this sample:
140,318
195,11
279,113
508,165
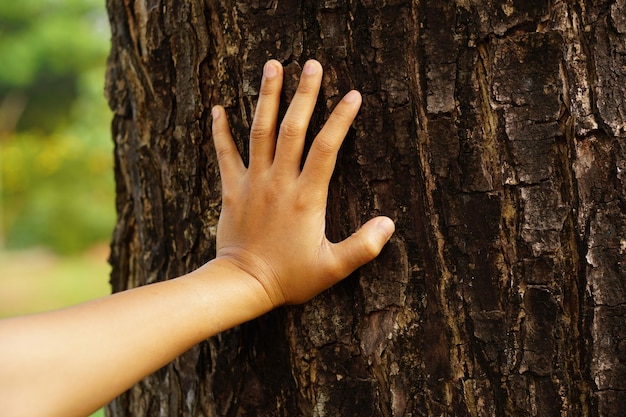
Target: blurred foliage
56,174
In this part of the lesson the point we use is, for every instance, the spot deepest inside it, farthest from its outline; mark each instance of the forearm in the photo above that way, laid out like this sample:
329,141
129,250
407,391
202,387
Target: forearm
75,360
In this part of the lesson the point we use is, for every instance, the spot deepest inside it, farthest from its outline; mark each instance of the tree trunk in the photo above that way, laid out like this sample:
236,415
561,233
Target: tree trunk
491,131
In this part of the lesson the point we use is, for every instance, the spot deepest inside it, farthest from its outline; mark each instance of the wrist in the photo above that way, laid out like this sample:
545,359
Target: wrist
259,270
227,283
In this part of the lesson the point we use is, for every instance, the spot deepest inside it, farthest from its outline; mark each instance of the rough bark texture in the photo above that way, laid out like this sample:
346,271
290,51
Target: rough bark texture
492,131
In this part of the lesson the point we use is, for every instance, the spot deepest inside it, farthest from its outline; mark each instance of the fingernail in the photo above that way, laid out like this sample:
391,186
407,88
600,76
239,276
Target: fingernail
215,113
352,97
310,68
387,226
270,70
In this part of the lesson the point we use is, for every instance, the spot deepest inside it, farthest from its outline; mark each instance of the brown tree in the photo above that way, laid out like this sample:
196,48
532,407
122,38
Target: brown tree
491,131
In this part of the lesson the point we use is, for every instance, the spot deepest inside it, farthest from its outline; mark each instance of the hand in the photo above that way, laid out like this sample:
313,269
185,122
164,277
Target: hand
272,224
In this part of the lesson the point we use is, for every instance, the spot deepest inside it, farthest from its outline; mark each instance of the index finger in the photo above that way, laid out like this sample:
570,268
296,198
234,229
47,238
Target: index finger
320,162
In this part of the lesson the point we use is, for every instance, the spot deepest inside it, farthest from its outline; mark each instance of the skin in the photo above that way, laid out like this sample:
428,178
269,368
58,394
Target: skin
271,250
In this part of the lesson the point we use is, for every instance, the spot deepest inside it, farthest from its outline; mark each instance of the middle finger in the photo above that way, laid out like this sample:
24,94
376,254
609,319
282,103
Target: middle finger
293,128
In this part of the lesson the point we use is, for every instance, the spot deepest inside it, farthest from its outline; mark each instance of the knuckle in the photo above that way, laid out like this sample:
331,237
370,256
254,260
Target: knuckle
261,130
224,152
268,88
304,201
291,129
369,248
231,196
343,113
272,196
324,148
228,199
307,88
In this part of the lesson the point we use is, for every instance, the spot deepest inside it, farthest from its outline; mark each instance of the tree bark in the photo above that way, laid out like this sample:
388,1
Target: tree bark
491,131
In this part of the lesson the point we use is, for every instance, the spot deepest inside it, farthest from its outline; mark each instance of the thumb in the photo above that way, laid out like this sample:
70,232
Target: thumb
364,245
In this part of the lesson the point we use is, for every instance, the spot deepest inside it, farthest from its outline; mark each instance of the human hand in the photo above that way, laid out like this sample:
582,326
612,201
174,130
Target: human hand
272,224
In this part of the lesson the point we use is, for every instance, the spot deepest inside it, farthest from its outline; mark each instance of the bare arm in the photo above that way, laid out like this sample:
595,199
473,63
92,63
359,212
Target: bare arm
271,250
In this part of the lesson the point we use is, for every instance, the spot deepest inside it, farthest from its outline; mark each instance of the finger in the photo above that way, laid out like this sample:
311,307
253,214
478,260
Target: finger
320,162
294,125
363,246
228,158
263,131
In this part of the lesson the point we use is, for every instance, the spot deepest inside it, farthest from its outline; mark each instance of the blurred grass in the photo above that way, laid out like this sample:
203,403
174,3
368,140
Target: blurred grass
37,279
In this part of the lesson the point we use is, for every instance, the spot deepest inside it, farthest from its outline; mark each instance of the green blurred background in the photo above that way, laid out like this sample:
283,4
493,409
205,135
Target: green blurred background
56,175
56,164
